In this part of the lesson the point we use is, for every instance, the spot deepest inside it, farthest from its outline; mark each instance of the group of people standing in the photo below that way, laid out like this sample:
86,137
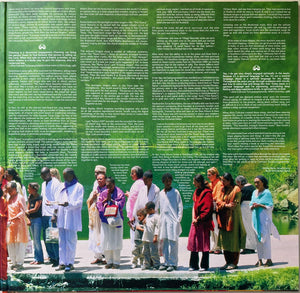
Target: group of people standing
58,206
147,227
228,215
238,215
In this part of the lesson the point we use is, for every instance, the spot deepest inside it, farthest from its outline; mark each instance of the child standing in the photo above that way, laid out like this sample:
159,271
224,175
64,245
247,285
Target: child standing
137,252
171,211
150,237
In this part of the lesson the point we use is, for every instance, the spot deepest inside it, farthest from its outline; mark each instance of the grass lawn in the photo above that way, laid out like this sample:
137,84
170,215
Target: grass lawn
264,279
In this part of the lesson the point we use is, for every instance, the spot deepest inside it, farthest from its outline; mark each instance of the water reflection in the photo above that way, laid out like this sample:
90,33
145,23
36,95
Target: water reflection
285,224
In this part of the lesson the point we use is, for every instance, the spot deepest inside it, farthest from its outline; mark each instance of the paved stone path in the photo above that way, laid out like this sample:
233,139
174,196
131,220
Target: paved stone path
285,253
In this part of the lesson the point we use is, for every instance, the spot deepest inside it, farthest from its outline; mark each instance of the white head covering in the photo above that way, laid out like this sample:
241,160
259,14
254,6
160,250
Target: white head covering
100,168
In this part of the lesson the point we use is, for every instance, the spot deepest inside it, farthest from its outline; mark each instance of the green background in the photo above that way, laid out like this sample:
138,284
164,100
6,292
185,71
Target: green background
85,170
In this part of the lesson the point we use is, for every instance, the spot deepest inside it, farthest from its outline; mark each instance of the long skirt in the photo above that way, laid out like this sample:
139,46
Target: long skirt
3,251
198,238
247,221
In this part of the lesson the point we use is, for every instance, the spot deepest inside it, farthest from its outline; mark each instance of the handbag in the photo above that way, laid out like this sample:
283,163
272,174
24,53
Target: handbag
113,216
115,221
51,235
111,211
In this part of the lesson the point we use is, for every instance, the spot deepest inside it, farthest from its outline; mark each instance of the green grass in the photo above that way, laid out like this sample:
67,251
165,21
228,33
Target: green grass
265,279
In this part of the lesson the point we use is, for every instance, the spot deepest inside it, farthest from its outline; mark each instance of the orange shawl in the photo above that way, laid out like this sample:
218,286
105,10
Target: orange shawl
225,215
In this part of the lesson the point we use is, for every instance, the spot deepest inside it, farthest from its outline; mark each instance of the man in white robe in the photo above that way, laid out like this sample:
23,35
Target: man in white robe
69,219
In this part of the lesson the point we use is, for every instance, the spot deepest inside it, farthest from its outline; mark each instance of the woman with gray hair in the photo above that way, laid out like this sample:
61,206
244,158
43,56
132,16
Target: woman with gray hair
136,175
247,190
261,206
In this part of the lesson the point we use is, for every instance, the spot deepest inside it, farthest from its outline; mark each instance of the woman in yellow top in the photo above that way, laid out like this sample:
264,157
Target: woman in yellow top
216,186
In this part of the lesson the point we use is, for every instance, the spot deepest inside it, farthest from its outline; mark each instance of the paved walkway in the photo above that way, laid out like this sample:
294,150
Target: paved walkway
285,253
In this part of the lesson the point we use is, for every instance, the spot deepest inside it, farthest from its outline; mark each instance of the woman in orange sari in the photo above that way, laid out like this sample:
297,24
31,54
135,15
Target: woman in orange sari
232,234
216,187
3,227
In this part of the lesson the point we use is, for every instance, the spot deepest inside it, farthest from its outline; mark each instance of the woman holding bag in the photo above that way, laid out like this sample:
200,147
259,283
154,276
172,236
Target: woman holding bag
110,205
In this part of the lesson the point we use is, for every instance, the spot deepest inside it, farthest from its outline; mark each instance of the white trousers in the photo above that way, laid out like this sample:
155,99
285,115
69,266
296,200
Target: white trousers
264,248
67,246
214,234
16,252
132,238
113,256
170,252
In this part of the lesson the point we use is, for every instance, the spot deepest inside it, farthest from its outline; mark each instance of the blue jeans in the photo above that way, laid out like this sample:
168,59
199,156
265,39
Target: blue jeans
36,229
52,248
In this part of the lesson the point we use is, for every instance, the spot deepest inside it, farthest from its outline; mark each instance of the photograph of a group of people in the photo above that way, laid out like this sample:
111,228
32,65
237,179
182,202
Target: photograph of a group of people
229,216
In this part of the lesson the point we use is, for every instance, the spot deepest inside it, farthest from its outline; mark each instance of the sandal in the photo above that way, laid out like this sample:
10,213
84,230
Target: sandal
231,267
224,267
268,263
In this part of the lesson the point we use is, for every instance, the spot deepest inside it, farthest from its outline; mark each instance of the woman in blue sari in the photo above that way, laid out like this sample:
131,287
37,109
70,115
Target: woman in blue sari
262,205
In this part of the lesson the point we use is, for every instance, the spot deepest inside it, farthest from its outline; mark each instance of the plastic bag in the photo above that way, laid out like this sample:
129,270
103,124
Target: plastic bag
51,235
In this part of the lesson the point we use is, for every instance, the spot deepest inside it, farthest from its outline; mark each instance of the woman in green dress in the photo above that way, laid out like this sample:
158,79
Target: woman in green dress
232,234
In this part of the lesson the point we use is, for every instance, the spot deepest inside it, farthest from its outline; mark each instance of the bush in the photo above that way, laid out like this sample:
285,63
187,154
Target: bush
263,279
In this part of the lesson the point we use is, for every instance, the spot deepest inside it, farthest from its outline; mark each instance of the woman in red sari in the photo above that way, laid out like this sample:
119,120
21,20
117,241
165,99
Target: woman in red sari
3,227
202,224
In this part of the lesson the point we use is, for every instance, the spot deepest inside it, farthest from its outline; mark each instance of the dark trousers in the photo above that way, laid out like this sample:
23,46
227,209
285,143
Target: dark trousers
231,257
51,248
194,260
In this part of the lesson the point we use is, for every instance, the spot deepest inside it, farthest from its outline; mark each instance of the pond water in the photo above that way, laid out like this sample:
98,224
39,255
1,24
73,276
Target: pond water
284,224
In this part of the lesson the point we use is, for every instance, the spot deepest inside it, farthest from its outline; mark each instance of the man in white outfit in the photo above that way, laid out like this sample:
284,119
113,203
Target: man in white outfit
69,219
50,189
171,212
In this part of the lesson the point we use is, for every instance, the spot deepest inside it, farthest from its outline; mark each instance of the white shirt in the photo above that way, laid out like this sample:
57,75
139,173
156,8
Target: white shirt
144,196
133,194
171,212
50,192
151,228
69,217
